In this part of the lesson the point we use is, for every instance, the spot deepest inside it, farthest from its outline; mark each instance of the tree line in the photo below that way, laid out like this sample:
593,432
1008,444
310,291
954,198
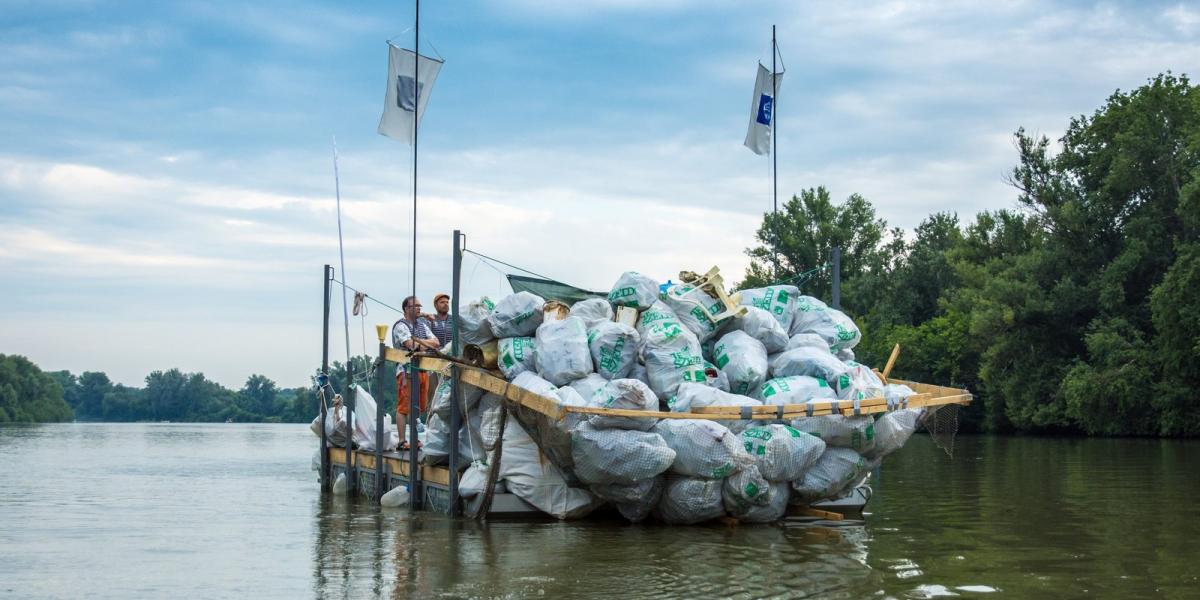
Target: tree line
1073,312
28,394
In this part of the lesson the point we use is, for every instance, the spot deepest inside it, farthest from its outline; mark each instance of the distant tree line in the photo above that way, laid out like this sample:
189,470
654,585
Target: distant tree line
1076,312
27,394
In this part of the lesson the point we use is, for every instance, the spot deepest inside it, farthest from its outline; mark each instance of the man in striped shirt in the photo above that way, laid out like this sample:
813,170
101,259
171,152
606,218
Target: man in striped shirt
442,322
411,333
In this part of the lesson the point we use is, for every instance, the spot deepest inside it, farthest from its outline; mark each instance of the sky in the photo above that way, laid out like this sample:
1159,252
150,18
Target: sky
167,192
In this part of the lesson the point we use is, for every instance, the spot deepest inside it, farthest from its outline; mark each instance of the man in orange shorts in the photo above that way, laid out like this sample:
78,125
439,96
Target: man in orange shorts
412,332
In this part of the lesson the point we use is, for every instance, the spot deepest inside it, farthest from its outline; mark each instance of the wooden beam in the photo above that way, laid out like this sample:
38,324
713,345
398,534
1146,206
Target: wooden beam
891,362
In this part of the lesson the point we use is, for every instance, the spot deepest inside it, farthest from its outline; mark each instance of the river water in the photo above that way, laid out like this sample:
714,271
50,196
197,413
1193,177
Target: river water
234,511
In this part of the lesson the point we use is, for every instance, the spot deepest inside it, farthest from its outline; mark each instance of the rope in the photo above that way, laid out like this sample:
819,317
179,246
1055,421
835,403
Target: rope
494,468
371,298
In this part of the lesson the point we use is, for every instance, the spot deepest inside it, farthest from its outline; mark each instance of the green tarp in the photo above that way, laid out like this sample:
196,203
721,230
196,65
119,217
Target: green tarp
552,290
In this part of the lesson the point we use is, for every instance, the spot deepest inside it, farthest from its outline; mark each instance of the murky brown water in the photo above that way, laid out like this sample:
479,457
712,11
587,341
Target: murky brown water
214,511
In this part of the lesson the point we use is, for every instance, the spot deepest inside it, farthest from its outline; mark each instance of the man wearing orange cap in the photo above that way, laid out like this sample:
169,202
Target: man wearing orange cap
442,322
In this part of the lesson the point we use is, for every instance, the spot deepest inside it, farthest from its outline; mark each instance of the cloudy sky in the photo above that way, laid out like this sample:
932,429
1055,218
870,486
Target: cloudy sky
166,178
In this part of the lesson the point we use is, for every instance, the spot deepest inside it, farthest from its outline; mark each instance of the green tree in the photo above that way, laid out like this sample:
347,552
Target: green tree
27,395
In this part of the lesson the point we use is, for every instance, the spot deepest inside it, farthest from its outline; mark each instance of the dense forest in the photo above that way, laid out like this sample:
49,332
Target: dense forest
1074,312
27,394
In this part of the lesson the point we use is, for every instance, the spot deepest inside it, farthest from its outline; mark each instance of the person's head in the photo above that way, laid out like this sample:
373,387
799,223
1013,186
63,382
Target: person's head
441,303
412,308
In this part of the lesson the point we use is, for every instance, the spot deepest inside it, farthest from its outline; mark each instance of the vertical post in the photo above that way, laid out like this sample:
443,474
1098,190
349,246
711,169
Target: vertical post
837,277
455,381
414,394
379,410
774,154
414,411
351,400
326,280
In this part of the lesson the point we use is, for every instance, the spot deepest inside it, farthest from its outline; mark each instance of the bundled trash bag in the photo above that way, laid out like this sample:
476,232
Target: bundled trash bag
634,501
613,347
489,419
658,312
760,325
773,510
797,389
516,315
588,386
364,423
743,360
858,383
695,309
593,311
896,393
335,427
838,431
813,316
892,430
703,448
782,453
672,356
777,300
537,481
622,456
435,450
691,396
628,394
562,352
688,500
440,405
516,355
473,327
835,472
474,480
808,339
806,360
634,290
746,487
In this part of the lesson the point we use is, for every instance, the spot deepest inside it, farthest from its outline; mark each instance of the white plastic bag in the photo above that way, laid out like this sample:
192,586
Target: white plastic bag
517,315
620,456
538,481
614,349
562,351
695,395
703,448
760,325
743,360
813,316
797,389
688,500
774,509
695,309
516,355
635,501
778,300
672,356
593,311
782,453
634,290
808,339
746,487
627,394
474,480
658,312
858,383
588,386
473,325
441,405
364,423
838,431
809,361
892,430
836,471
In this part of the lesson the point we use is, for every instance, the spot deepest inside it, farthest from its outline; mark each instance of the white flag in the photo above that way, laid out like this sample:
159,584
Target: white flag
762,111
403,96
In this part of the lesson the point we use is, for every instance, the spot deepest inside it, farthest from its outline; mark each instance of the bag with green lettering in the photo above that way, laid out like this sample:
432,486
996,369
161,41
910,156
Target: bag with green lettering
743,360
517,315
855,433
516,356
473,325
810,361
690,396
634,290
562,352
782,453
703,448
813,316
797,389
614,349
695,309
672,357
658,312
760,325
626,394
622,456
858,383
774,509
838,470
746,488
778,300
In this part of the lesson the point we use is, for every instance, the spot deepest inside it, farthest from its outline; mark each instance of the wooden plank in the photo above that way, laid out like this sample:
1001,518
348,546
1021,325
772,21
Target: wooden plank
627,315
891,362
400,357
821,514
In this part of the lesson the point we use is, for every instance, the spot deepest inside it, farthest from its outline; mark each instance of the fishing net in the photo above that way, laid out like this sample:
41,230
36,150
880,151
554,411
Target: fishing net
941,423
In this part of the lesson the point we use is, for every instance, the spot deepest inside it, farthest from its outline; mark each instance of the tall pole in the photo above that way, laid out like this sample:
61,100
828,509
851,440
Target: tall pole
414,391
323,379
774,154
837,277
455,390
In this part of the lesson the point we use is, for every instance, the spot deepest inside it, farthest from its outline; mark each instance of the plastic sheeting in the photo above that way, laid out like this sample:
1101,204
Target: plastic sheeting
703,448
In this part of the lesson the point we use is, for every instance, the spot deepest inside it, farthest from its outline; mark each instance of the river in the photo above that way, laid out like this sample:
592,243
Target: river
234,511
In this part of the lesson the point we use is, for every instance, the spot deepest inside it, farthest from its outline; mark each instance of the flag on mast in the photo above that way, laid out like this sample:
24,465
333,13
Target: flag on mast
403,96
762,111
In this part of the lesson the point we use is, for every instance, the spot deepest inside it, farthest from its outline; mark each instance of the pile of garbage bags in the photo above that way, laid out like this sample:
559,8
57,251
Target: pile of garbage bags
778,347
